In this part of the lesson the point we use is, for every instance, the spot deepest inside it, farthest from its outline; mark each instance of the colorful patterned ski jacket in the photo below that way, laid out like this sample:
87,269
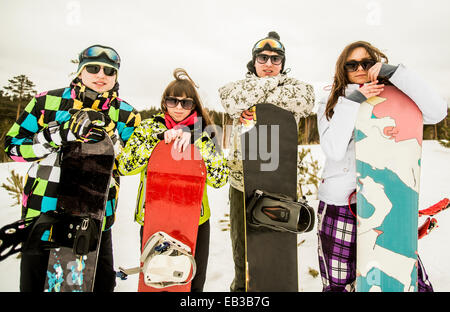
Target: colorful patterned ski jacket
25,142
135,155
281,90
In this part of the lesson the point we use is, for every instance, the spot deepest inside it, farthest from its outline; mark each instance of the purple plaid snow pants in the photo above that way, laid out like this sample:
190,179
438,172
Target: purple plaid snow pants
337,250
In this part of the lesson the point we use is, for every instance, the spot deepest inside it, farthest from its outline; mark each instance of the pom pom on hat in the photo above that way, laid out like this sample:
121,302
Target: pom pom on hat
274,34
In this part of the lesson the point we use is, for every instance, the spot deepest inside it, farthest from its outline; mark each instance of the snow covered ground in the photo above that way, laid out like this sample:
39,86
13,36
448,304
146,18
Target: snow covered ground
435,182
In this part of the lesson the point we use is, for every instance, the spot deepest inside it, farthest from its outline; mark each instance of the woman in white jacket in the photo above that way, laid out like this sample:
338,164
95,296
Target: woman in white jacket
361,72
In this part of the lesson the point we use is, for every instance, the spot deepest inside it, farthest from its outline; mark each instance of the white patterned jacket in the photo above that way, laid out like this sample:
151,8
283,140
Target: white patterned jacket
285,92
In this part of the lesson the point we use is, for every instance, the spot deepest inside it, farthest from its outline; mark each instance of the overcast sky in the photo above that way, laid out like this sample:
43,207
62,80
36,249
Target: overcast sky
212,40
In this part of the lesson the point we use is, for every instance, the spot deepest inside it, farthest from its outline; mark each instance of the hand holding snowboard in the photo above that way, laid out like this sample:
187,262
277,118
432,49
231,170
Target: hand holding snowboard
86,125
181,138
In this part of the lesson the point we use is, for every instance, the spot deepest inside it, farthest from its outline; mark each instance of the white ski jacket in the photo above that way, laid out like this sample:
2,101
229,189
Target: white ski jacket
336,134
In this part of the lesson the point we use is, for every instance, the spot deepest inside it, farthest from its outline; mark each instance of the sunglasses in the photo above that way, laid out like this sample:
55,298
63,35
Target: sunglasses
94,69
274,44
173,102
96,51
274,59
353,65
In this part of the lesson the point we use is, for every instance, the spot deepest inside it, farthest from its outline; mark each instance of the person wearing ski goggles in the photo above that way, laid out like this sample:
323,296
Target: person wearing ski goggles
83,112
362,71
98,67
268,57
266,79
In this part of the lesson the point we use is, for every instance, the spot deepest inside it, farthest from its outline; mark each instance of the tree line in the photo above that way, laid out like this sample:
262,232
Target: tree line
20,90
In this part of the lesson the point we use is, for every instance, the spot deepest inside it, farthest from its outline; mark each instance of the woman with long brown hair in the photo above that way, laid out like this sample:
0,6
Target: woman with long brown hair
182,114
362,72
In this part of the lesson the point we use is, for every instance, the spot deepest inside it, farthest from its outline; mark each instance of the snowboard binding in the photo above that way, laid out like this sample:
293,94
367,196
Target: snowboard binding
13,235
280,213
54,230
166,262
431,223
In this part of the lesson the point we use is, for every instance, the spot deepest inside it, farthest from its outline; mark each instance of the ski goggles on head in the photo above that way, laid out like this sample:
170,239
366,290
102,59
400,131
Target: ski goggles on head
274,44
97,50
353,65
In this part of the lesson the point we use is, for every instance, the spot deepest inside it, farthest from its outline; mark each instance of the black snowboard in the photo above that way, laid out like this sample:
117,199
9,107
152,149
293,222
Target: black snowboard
86,170
270,164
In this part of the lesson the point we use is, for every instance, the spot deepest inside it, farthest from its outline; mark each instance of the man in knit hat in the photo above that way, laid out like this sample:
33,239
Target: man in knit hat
266,81
54,119
269,46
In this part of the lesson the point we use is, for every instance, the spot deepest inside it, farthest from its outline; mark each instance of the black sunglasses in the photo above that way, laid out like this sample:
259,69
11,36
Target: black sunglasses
173,102
353,65
94,69
274,59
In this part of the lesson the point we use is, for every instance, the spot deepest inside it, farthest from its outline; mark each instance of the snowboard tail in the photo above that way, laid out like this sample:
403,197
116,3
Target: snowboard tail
174,192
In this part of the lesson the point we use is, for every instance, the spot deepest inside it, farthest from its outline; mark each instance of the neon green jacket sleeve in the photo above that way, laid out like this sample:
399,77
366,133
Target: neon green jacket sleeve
136,153
216,165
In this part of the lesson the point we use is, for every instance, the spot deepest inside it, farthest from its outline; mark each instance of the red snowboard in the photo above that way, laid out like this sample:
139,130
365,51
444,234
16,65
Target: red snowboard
175,184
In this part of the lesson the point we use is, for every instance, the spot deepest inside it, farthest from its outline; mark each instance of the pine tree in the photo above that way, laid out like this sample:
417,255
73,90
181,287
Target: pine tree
20,88
445,133
307,172
15,187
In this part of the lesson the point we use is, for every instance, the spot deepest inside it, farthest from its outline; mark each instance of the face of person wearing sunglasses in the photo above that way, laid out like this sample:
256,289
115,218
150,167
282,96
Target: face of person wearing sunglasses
99,78
268,64
357,66
179,107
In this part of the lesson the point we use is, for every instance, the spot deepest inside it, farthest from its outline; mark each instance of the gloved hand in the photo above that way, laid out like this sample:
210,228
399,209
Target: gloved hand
85,125
248,114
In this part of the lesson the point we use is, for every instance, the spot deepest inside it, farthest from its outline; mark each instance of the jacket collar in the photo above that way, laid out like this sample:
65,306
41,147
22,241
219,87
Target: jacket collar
88,98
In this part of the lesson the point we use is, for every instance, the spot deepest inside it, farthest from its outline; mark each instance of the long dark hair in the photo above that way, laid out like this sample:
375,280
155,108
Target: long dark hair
184,85
341,80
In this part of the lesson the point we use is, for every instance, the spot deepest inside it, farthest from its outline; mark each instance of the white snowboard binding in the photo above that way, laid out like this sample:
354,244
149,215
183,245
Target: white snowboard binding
165,262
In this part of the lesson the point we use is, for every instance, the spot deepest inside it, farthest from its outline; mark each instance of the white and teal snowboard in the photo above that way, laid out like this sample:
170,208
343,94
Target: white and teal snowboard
388,138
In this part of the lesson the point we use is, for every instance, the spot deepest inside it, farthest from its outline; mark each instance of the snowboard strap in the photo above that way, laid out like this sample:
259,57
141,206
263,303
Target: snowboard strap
53,230
12,236
165,262
430,223
436,208
280,212
427,227
349,203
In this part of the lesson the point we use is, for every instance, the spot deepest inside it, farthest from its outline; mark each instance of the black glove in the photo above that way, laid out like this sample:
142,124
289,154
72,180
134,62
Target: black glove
85,125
